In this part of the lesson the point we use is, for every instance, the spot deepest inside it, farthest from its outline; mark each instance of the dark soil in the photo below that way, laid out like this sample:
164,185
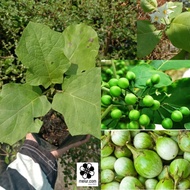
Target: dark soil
54,129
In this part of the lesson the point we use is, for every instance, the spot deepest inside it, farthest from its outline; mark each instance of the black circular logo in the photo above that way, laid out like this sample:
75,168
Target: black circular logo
87,170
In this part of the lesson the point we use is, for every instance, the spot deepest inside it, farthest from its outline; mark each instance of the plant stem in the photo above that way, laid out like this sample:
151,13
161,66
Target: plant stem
166,109
143,91
114,69
133,150
116,103
105,89
170,106
105,62
105,140
175,184
107,111
163,98
160,114
154,136
132,92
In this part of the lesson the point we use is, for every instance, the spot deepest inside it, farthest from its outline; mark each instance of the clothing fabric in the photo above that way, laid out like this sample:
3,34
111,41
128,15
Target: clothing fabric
34,169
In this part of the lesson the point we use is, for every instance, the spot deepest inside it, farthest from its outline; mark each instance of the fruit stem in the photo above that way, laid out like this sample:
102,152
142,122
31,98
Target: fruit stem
175,108
154,136
105,89
166,109
105,139
143,91
160,114
175,184
108,109
133,150
132,92
164,97
116,103
114,69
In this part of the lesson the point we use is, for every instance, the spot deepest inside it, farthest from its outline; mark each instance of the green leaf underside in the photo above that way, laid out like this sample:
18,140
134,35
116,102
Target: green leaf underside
179,31
80,103
19,105
81,47
147,38
41,50
164,65
145,71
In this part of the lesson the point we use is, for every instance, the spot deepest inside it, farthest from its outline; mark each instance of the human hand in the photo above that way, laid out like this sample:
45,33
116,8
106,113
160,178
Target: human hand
59,152
29,136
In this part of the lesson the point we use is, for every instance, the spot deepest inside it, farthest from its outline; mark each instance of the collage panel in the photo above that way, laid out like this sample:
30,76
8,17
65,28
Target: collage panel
50,85
145,110
145,159
103,86
163,28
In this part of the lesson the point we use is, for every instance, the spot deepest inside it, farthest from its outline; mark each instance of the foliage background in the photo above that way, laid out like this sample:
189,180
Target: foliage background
113,20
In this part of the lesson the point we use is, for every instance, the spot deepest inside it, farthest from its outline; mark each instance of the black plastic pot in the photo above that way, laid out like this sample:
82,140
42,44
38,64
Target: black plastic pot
67,141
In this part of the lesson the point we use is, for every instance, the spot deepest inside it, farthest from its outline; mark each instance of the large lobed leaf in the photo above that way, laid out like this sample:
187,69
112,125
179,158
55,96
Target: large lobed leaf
81,47
49,54
41,50
19,105
147,38
80,103
164,65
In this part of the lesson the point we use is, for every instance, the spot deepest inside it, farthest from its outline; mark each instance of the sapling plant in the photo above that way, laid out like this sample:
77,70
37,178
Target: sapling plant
61,75
170,19
148,98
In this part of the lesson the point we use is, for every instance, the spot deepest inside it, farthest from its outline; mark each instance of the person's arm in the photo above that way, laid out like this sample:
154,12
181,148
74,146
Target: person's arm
34,167
59,152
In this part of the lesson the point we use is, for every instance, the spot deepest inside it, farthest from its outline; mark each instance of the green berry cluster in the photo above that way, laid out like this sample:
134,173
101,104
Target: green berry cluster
123,105
176,116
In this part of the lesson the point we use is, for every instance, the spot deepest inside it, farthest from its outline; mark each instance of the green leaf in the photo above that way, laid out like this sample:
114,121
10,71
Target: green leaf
147,38
80,103
187,125
177,95
81,47
180,92
145,71
19,105
179,31
41,50
148,5
182,55
176,11
164,65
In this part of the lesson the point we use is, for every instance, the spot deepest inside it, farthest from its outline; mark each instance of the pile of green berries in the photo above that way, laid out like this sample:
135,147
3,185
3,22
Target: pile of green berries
123,104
